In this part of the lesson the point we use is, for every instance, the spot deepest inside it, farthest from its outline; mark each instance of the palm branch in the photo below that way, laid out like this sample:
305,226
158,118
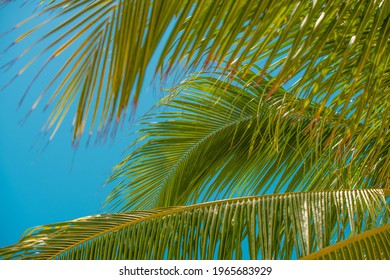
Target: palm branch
270,227
217,138
322,46
292,96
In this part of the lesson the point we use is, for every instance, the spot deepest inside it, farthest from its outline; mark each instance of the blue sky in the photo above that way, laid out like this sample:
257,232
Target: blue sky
58,183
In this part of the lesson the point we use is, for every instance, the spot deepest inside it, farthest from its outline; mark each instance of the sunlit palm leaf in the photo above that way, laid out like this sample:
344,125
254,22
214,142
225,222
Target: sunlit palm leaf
112,44
370,245
268,227
220,138
330,46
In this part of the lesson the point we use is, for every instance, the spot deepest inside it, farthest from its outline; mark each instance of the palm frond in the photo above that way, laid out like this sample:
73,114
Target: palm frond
370,245
218,138
325,47
111,43
268,227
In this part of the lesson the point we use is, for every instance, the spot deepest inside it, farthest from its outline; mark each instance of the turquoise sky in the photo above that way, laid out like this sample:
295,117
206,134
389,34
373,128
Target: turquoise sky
40,186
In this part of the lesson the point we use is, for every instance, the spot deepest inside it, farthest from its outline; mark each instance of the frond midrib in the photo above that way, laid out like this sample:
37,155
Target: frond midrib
193,147
179,209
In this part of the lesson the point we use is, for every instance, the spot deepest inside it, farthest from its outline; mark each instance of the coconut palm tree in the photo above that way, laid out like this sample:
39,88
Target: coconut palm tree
274,145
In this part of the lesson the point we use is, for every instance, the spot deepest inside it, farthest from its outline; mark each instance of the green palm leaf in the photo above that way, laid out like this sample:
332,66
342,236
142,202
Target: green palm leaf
373,244
113,43
219,138
297,99
323,46
271,227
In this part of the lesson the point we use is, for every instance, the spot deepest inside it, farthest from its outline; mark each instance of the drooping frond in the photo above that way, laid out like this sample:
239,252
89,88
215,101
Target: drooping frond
218,138
369,245
112,43
336,51
268,227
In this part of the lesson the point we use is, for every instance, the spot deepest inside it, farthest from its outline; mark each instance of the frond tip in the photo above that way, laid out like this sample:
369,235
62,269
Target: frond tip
267,227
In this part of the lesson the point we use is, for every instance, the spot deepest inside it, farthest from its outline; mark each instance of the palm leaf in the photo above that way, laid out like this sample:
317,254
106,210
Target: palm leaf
323,46
218,138
270,227
370,245
112,44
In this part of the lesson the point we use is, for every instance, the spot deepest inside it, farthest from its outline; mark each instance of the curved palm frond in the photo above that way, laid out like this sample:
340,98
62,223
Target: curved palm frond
112,43
370,245
271,227
219,138
325,46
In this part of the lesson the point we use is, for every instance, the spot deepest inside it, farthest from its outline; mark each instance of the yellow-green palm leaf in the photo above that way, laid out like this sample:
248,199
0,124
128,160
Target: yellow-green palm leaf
217,137
266,227
326,47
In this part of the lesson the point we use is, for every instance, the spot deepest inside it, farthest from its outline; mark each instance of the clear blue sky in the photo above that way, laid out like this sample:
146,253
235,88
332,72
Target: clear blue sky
61,183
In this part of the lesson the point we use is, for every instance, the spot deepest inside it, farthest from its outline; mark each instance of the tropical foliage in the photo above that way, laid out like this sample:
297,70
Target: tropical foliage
283,97
270,227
